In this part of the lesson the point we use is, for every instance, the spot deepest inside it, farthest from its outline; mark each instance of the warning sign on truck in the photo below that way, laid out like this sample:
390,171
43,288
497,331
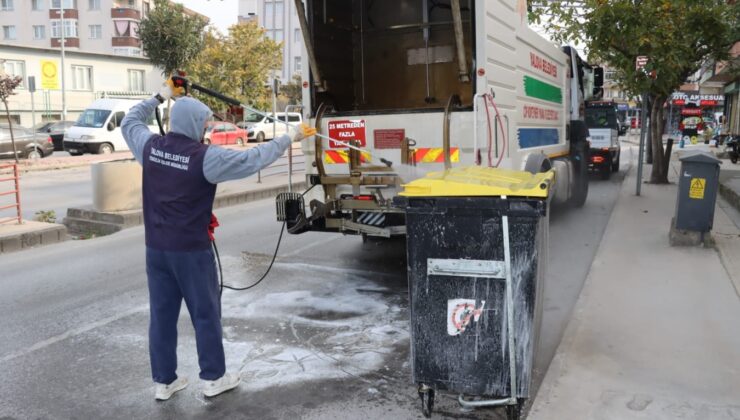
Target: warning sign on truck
346,131
696,189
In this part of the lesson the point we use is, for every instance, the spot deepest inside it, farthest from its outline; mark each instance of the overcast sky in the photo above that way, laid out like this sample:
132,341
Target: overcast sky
223,13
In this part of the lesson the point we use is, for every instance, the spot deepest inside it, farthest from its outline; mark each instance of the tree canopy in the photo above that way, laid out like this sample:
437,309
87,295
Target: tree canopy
677,36
236,65
171,38
8,84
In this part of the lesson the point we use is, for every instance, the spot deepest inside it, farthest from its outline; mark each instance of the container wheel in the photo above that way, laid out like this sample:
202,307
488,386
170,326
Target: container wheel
615,165
427,400
514,411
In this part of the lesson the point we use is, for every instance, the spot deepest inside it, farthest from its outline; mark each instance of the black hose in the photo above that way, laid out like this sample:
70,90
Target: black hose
158,116
269,268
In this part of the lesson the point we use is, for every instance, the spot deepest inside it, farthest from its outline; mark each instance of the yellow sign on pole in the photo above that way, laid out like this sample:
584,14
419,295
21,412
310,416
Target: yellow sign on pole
49,75
696,190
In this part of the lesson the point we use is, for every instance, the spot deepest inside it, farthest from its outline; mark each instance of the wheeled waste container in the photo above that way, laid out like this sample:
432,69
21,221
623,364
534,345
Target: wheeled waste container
476,244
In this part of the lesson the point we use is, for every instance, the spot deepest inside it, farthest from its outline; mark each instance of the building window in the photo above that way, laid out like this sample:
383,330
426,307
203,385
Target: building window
145,8
39,31
136,80
126,28
37,4
6,5
16,68
81,77
8,32
70,28
68,4
96,31
297,35
297,65
134,52
274,34
93,4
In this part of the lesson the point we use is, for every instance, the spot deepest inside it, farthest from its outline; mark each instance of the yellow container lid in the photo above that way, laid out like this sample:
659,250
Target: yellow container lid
479,181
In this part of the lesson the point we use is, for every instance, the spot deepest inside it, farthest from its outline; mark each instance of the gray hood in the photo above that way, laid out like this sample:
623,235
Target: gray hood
188,117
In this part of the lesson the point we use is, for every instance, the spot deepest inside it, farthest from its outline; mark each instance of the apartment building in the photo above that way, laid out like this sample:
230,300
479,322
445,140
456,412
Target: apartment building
280,20
103,55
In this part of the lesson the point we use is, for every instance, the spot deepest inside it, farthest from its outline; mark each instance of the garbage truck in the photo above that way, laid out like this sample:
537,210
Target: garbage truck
409,87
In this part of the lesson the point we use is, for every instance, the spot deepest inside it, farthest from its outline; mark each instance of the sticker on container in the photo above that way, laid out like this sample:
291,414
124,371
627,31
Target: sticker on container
461,313
696,190
346,131
389,138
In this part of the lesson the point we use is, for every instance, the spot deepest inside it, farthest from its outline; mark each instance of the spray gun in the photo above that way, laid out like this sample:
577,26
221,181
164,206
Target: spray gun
181,86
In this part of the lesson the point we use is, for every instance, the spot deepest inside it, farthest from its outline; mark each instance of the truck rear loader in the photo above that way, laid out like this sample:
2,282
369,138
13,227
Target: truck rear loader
430,84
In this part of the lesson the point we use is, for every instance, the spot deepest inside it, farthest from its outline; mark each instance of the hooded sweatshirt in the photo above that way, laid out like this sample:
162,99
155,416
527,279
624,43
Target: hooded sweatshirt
180,174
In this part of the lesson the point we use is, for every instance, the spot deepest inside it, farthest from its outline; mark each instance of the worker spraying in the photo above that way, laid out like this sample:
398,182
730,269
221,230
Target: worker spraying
180,175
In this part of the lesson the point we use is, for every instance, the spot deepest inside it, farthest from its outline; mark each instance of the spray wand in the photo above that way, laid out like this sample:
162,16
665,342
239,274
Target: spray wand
182,86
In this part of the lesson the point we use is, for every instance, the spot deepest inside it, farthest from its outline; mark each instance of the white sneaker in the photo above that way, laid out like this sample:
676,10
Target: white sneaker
225,383
164,392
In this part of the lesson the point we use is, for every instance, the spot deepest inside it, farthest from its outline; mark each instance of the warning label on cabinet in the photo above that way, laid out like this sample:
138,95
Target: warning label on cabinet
461,313
696,190
346,131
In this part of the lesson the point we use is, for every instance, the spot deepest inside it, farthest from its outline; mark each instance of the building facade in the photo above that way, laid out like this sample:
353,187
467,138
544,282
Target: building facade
103,55
280,20
96,26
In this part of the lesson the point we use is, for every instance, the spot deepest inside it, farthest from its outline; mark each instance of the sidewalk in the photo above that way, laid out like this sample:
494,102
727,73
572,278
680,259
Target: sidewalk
656,331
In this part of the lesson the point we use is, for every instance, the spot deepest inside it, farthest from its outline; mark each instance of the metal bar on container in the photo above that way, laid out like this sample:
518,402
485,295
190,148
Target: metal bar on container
459,41
313,64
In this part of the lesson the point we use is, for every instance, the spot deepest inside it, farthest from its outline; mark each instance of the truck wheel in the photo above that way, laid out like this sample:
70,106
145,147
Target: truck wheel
615,165
580,161
105,149
260,137
606,169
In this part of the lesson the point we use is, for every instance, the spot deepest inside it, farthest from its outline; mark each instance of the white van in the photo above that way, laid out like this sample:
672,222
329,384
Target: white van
98,130
260,127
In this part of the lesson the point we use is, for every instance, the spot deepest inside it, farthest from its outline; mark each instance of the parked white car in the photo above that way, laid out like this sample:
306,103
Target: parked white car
98,130
260,128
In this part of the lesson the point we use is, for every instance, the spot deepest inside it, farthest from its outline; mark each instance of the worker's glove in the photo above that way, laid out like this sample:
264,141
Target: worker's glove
179,85
212,227
302,131
164,94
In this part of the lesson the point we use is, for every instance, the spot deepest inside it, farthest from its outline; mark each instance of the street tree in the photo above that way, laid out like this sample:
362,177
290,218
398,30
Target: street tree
8,84
293,91
677,36
171,38
236,65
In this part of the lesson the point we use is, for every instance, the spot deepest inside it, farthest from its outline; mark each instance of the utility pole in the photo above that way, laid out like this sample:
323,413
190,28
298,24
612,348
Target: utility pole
64,92
643,121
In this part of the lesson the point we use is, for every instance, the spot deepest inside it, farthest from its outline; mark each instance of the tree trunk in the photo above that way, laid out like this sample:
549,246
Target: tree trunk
659,173
10,127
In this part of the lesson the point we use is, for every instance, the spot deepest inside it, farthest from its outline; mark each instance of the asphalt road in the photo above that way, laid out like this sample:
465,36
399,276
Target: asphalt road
325,336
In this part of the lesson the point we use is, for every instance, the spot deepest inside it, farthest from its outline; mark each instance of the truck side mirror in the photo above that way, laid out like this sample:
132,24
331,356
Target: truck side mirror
598,77
111,125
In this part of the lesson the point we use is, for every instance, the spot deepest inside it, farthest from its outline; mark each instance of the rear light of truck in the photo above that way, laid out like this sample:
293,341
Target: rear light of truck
364,197
597,159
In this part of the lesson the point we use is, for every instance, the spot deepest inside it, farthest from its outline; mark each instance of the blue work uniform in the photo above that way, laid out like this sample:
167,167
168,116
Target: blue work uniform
179,185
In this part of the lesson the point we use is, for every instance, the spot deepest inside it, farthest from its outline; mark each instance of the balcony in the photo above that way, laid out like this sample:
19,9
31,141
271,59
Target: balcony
68,14
126,41
68,42
125,13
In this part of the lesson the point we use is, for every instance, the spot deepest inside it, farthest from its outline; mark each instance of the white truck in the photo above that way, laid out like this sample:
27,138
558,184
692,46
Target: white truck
428,85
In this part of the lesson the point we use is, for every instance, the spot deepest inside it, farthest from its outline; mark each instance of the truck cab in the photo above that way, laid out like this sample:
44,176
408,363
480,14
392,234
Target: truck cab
603,126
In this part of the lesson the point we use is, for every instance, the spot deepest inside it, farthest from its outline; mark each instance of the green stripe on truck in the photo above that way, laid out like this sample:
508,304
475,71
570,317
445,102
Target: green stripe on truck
538,89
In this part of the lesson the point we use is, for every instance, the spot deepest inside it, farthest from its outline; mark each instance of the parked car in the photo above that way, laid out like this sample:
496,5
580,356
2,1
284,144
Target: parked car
219,132
56,130
27,143
262,127
98,130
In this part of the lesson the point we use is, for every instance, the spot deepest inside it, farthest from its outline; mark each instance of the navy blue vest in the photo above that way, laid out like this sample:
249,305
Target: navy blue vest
178,199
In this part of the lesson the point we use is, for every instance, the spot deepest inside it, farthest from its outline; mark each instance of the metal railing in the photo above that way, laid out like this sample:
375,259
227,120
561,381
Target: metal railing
11,176
283,165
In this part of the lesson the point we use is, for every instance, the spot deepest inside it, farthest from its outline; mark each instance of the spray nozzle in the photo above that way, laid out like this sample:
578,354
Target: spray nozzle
387,162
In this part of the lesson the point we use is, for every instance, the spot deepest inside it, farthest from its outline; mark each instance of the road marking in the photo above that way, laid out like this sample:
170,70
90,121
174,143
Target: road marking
71,333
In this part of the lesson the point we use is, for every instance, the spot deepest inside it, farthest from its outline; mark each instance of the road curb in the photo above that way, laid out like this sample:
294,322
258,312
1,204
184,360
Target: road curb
729,194
43,235
85,221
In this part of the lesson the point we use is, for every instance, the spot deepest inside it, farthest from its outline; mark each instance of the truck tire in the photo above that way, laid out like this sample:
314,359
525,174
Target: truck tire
615,164
105,149
605,170
579,157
